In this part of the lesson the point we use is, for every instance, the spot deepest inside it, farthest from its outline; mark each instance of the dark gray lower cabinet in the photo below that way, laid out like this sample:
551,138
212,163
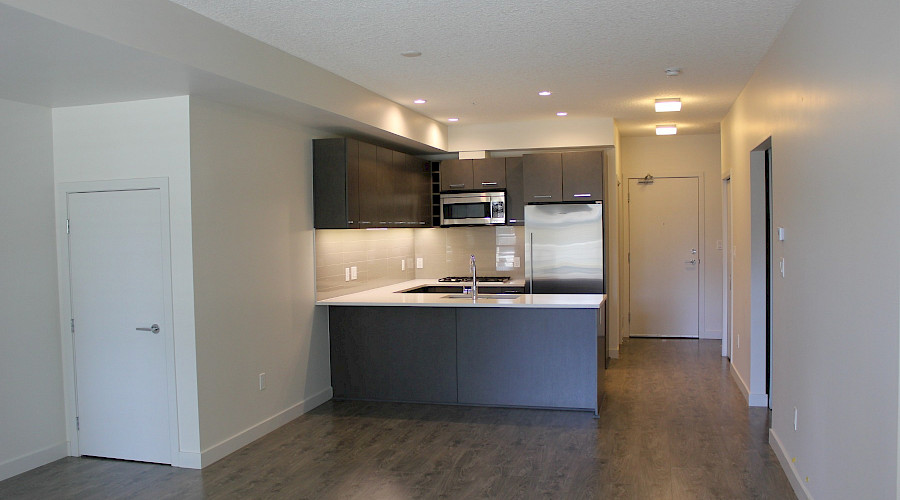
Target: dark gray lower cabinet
393,353
469,355
527,357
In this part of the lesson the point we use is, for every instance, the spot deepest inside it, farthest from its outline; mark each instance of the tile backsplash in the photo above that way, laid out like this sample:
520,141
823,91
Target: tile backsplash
381,256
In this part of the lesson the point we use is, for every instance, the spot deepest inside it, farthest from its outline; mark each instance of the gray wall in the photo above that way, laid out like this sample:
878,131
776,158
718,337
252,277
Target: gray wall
32,427
826,93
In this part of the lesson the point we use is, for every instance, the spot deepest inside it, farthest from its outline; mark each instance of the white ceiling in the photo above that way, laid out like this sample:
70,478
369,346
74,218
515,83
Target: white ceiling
485,61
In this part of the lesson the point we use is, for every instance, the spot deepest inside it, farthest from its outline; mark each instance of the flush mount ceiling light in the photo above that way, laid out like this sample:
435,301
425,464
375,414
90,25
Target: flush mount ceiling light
668,104
452,119
673,71
411,53
670,129
420,101
562,113
545,92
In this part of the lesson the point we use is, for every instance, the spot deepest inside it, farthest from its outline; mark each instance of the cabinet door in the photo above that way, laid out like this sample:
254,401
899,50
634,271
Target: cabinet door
515,192
367,186
489,173
393,353
456,175
582,176
331,183
542,177
421,171
387,205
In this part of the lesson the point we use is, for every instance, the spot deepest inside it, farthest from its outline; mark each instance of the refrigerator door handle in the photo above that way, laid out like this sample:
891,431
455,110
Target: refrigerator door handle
531,264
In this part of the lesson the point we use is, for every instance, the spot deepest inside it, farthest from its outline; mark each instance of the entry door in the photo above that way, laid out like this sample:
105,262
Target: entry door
116,266
664,252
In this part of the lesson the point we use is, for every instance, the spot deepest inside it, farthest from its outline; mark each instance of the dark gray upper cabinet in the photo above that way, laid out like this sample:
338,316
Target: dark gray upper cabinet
582,176
553,177
515,191
489,173
456,175
542,177
369,202
360,185
473,175
336,177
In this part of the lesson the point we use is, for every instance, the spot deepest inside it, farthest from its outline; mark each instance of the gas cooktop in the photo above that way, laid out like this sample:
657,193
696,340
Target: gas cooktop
484,279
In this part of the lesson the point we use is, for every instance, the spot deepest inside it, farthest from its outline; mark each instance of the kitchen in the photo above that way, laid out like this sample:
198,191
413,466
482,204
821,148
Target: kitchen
540,253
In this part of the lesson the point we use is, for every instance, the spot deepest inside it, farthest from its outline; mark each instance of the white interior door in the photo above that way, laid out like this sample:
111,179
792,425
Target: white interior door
116,255
664,252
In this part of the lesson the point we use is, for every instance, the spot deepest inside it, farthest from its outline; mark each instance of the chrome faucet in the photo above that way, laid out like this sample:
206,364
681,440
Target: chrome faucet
474,278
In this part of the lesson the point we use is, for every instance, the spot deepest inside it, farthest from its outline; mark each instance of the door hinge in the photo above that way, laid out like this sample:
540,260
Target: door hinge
77,424
67,226
629,317
629,257
73,324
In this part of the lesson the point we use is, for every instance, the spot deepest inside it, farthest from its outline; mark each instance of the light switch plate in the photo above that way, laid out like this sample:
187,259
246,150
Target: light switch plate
353,273
517,262
420,262
346,274
780,234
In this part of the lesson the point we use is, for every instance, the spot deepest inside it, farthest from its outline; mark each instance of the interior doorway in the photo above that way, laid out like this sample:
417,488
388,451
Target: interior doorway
118,275
762,269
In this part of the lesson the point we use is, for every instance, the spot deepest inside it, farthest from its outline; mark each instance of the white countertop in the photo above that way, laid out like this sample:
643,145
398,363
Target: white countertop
387,296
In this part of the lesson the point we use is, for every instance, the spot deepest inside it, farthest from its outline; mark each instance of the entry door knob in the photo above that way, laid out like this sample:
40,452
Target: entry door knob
153,328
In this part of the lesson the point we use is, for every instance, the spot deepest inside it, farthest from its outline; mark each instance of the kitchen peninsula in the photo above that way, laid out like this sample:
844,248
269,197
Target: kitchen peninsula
529,350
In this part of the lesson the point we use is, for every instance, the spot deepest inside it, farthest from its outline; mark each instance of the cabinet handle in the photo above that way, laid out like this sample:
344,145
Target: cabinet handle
488,183
543,196
364,222
582,195
457,185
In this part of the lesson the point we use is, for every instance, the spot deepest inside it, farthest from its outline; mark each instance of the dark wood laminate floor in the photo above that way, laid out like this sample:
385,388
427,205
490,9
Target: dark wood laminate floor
673,426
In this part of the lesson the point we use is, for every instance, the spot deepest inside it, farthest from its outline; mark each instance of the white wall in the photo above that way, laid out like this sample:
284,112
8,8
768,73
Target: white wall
826,93
32,426
564,132
137,140
687,155
251,181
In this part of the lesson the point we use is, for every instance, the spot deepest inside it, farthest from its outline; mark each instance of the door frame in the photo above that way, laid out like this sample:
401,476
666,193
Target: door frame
63,189
727,264
701,221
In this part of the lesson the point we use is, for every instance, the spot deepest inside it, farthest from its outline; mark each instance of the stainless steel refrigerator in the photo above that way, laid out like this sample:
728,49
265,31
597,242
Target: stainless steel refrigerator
564,248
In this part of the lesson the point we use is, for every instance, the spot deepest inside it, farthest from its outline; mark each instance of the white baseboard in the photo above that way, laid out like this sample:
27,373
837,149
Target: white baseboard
33,460
790,470
222,449
614,353
752,399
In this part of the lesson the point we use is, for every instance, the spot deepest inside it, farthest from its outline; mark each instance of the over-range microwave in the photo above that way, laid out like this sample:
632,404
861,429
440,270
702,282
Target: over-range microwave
473,209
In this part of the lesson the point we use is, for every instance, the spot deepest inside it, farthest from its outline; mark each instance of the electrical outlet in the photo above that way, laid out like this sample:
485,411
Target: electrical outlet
353,273
403,264
420,262
262,381
795,418
346,274
517,262
739,341
782,267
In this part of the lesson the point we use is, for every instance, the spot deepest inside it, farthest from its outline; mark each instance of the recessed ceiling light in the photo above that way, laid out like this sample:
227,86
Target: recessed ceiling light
420,101
452,119
670,129
668,104
562,113
411,53
544,92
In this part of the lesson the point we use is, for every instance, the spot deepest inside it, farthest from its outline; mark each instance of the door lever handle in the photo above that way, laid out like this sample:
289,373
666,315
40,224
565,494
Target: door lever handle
153,328
692,261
